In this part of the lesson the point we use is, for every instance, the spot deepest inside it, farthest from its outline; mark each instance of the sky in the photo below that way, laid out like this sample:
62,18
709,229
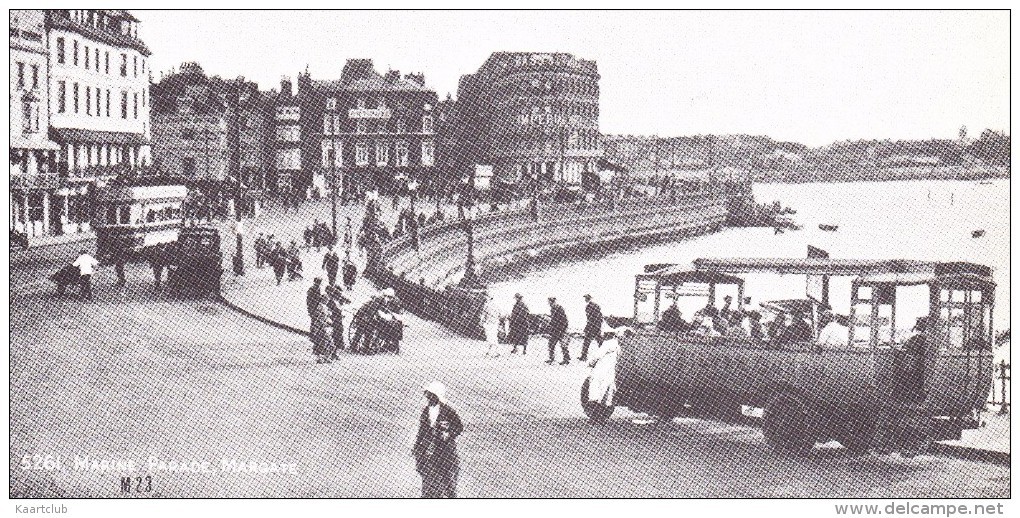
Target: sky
811,77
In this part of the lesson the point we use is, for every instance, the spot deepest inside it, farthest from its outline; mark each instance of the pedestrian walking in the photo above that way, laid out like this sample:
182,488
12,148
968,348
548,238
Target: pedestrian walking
557,332
157,256
350,272
278,260
321,333
294,266
331,263
86,265
519,325
119,256
337,305
491,323
435,447
592,325
260,250
348,235
314,296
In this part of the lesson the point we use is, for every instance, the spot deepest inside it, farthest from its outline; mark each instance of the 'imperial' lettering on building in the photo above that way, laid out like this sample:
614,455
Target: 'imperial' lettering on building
86,463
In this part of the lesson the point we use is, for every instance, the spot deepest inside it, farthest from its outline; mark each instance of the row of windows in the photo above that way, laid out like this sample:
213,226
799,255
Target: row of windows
22,75
332,154
100,20
82,55
92,100
332,125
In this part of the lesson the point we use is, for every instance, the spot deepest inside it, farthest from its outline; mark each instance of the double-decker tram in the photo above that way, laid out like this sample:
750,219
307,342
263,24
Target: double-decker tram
130,218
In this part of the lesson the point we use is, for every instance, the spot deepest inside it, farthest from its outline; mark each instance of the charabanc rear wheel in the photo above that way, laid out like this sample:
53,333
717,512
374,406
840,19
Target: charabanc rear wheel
858,435
786,424
596,412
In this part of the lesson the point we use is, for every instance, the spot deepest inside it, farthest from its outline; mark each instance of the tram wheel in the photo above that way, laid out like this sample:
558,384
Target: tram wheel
786,424
596,412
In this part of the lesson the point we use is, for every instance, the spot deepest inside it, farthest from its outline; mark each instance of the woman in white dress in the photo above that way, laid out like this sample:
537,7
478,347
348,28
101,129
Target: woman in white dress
602,384
491,323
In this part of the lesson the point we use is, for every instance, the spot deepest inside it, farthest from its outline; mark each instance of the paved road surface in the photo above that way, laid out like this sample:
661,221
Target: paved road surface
137,374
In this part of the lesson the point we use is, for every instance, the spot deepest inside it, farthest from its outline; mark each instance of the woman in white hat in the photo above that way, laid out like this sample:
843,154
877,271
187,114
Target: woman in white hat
492,322
602,385
435,448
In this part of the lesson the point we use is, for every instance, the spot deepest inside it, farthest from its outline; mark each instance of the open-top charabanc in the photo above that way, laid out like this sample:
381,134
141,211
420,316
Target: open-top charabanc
902,359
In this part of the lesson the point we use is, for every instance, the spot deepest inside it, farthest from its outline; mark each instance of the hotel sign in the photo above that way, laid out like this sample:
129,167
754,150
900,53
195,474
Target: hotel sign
368,113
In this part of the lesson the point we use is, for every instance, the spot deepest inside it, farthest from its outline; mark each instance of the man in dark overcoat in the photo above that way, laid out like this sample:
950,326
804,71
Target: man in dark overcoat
435,448
557,332
592,325
518,331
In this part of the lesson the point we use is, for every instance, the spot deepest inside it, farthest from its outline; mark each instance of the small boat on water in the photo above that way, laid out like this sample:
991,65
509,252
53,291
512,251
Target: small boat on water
828,228
977,233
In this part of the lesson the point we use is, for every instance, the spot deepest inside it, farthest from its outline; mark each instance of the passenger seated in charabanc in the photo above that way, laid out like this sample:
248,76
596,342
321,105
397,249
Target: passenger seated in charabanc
777,329
672,320
835,332
798,330
707,327
754,326
736,326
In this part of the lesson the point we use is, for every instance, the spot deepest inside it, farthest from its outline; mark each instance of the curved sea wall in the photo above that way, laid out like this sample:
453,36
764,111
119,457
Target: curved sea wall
425,278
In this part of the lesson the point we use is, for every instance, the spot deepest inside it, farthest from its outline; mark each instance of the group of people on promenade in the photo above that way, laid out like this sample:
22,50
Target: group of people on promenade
517,327
285,261
330,314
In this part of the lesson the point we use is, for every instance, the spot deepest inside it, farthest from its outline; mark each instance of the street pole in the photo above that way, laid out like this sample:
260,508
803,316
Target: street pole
334,188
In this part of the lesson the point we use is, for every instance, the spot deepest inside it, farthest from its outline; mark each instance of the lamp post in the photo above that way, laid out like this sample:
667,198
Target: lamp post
334,188
470,279
412,225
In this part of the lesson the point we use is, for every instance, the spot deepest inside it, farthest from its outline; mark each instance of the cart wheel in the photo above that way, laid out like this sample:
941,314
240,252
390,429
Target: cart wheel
786,424
596,412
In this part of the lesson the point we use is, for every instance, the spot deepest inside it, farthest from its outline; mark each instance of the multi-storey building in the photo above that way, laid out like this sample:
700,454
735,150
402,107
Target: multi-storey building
36,209
367,129
210,129
289,175
191,141
532,116
98,93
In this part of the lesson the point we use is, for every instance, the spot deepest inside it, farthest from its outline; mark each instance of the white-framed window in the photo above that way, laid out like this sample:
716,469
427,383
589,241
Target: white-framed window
402,155
400,125
331,103
361,153
332,153
288,159
427,124
361,103
382,153
360,126
428,153
327,125
288,133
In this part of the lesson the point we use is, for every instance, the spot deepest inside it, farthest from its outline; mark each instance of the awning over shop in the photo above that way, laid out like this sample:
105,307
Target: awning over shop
19,142
84,136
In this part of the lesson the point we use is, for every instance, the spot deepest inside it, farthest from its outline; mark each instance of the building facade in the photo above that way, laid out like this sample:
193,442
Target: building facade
532,116
368,130
208,128
98,100
291,175
35,208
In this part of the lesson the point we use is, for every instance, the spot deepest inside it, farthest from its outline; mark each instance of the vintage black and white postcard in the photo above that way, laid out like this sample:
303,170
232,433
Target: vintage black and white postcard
511,255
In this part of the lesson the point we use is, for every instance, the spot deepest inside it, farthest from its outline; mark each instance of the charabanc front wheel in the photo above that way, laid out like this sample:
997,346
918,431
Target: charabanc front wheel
786,424
596,412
